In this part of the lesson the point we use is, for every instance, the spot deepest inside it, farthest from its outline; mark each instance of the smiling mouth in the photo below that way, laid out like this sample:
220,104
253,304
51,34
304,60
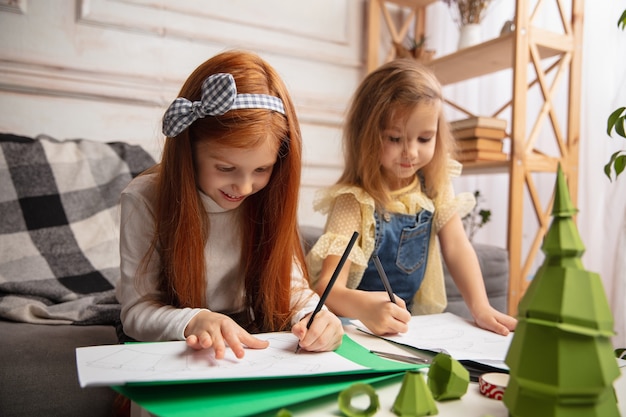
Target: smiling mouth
231,197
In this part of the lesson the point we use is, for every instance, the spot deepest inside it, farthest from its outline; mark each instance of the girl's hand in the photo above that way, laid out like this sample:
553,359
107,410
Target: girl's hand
324,335
382,317
491,319
208,329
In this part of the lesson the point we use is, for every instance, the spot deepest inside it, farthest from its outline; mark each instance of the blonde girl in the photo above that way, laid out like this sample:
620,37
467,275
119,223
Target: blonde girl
396,191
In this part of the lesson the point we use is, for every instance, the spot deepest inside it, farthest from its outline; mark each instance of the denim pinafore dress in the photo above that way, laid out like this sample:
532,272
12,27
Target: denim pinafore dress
402,242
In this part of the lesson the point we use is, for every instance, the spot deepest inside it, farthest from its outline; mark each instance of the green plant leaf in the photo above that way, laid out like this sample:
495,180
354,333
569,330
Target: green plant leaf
621,22
616,120
617,163
485,216
619,127
476,218
609,165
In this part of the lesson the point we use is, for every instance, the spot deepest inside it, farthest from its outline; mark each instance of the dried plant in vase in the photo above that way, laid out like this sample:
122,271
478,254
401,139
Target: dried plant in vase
468,12
415,49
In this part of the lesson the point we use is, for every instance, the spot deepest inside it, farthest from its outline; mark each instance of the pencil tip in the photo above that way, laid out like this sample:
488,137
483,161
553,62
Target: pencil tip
297,348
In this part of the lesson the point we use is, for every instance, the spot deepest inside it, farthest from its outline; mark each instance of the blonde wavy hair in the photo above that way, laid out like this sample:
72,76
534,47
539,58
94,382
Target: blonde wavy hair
392,90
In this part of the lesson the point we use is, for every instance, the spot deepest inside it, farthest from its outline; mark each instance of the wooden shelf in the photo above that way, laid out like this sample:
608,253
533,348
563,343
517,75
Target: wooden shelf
534,161
517,51
485,167
411,3
493,56
378,11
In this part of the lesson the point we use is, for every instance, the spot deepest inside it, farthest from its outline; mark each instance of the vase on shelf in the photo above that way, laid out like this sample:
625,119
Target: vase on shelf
470,34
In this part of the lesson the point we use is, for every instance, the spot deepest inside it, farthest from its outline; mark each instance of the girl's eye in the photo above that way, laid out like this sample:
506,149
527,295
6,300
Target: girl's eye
263,169
225,169
394,139
424,140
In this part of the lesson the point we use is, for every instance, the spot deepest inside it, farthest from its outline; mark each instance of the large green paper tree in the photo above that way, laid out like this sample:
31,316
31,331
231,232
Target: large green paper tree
561,359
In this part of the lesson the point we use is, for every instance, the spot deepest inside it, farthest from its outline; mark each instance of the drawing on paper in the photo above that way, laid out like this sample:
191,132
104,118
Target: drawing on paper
454,335
174,361
142,358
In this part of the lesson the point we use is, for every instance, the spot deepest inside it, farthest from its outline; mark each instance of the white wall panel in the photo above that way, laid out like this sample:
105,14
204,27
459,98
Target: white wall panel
320,27
107,69
14,6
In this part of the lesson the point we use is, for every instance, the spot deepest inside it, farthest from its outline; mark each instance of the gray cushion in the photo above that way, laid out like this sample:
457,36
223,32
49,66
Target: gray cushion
38,368
59,245
308,236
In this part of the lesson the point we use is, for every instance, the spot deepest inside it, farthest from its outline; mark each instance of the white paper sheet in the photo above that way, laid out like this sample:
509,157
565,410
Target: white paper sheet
453,334
174,361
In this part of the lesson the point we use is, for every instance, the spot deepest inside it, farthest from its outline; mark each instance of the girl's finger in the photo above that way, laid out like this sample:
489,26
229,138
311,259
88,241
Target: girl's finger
253,342
219,346
192,342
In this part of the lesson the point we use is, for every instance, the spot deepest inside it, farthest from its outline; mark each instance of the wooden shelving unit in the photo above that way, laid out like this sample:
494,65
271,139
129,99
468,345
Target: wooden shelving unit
527,47
398,31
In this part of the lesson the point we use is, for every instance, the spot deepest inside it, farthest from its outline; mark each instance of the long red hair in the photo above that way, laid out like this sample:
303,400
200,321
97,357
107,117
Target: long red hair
271,240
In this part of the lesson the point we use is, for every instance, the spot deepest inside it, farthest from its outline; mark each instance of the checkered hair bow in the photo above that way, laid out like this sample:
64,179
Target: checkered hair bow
219,95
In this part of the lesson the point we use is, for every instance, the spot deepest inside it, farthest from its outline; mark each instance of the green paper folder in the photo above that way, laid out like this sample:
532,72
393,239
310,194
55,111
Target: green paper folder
247,397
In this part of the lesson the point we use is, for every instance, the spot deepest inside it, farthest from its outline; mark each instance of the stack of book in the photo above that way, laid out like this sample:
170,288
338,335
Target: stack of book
480,139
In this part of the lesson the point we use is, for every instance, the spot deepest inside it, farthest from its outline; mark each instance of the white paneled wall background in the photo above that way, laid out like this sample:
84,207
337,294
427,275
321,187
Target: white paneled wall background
106,69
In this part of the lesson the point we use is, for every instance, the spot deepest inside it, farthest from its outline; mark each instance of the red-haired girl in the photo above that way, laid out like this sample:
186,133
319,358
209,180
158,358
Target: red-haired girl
210,250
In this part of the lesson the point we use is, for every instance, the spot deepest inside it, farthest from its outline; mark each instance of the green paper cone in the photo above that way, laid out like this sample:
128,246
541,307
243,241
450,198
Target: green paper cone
447,378
414,398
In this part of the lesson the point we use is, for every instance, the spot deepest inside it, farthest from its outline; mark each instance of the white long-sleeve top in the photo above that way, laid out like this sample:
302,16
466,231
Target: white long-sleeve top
143,315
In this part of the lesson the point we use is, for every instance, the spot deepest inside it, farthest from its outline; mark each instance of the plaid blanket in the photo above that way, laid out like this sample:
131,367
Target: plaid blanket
59,227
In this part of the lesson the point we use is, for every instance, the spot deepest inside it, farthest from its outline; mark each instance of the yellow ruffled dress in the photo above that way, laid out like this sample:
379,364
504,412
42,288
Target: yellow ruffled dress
349,208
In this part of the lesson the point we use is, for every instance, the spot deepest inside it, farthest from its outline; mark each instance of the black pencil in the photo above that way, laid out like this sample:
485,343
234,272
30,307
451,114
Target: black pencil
384,279
330,284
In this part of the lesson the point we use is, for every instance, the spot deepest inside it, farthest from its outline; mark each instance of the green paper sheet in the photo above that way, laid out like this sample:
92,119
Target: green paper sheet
254,396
